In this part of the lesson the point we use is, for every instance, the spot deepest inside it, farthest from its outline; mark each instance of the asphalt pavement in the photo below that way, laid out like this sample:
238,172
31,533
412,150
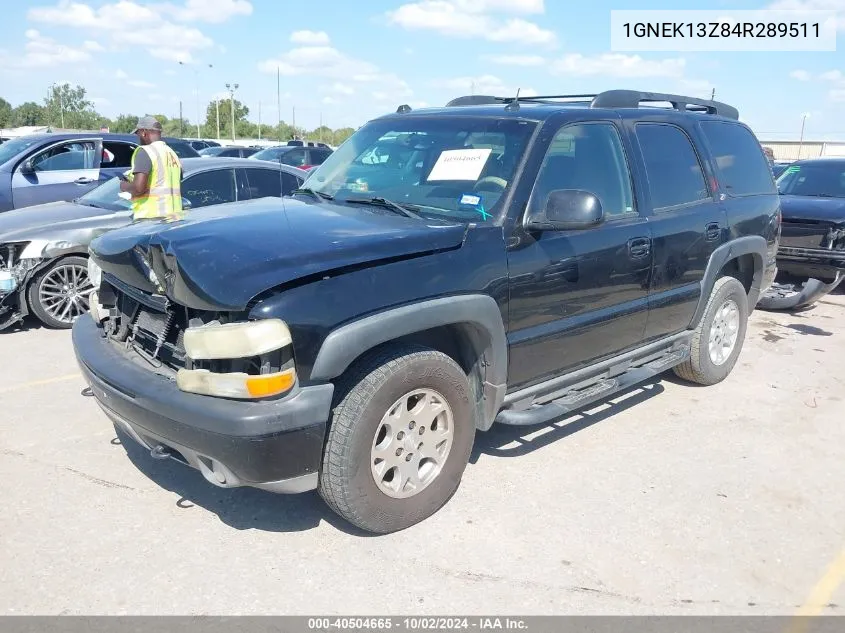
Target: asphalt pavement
669,499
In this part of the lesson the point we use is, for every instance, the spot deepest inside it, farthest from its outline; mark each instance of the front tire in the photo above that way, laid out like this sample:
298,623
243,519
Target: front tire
399,440
718,339
60,293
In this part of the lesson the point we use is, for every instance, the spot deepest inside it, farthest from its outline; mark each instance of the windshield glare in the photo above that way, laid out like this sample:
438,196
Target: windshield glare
106,196
457,167
12,148
271,153
819,179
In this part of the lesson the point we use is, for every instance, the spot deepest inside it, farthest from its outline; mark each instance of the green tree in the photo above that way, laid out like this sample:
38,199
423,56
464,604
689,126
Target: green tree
342,134
29,113
124,124
5,113
241,112
67,107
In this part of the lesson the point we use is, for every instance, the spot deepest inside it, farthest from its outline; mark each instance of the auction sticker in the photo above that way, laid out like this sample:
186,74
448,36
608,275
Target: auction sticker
460,164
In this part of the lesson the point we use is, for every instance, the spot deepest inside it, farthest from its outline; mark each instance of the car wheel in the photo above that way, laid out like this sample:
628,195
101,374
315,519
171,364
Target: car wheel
399,440
59,294
720,334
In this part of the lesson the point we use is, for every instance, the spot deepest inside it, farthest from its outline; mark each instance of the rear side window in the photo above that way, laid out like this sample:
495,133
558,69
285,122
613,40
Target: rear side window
674,173
742,163
318,156
120,154
209,188
295,158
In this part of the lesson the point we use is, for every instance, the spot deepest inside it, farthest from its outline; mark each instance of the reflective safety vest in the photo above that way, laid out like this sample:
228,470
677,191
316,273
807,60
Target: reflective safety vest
164,198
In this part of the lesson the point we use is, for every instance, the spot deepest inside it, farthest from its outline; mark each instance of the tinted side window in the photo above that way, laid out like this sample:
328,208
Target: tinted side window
318,156
674,173
289,183
589,157
119,153
263,183
68,156
295,157
210,187
742,164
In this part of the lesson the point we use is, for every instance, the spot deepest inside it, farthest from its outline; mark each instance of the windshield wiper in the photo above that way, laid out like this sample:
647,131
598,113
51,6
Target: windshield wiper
316,194
408,210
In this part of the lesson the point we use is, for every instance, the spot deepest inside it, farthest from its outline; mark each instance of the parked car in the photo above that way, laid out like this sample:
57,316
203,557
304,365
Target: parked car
40,168
779,166
44,248
534,257
294,155
230,151
811,257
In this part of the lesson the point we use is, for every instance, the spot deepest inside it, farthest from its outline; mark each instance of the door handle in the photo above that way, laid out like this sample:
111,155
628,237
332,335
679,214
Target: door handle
712,232
639,247
83,181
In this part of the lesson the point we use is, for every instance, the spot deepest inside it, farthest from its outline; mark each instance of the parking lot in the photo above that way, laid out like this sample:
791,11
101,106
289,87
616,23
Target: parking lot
672,499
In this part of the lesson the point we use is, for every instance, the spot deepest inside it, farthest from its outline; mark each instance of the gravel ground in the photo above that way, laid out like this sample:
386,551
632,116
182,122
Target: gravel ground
669,499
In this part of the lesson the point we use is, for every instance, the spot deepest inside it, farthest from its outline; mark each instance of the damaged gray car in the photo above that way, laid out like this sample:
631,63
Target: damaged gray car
44,248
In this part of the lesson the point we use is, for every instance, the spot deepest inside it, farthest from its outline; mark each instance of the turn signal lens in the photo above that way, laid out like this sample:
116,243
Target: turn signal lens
235,385
270,384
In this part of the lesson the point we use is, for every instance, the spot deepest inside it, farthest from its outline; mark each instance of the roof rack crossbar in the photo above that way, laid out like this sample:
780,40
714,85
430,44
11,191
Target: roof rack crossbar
633,99
612,99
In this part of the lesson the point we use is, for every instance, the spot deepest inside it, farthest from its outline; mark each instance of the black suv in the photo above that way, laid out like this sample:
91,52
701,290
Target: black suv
495,260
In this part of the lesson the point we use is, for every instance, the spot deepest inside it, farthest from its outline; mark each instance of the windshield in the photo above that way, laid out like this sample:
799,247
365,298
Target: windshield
271,153
823,179
10,149
106,197
458,167
211,151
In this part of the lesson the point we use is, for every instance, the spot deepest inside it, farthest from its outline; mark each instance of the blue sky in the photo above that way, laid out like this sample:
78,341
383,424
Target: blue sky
344,61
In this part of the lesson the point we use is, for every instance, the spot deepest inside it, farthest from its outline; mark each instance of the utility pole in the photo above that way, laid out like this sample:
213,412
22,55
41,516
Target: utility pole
279,101
712,94
259,120
294,122
217,108
321,126
181,133
801,141
231,88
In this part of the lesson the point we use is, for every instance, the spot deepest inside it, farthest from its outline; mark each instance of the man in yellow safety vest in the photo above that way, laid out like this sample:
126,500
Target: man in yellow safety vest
155,178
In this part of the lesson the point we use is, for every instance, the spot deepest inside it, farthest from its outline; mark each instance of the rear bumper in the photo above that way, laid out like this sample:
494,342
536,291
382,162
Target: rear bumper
275,445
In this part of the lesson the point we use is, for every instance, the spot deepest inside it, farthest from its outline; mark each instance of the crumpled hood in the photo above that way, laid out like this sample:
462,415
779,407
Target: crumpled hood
826,210
49,221
221,257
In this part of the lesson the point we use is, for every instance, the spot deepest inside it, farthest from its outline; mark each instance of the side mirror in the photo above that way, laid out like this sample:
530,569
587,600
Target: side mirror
567,209
27,167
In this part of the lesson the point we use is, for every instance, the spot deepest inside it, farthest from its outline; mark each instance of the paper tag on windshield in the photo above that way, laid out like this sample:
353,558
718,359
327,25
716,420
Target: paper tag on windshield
459,164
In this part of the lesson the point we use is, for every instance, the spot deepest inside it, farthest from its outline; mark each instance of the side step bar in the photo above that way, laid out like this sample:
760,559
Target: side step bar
601,389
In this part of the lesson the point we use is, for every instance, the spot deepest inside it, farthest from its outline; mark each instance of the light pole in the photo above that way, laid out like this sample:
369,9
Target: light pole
57,92
801,140
197,83
231,88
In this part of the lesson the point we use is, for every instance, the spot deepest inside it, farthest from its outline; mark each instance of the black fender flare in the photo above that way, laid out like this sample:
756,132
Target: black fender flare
754,245
489,340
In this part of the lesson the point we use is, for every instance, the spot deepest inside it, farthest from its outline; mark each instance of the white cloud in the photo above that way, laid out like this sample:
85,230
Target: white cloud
835,76
837,95
213,11
127,22
328,100
800,75
341,88
121,75
617,65
482,84
140,83
170,72
328,62
474,19
835,6
310,38
43,52
94,47
515,60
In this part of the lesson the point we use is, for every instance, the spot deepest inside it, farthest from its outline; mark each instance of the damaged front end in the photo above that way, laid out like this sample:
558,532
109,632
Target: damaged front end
18,263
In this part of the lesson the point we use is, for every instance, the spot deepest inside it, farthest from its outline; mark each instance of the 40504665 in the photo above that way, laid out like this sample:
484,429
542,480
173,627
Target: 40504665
350,624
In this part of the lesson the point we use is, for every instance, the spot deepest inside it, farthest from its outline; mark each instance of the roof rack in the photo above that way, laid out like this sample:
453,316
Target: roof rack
611,99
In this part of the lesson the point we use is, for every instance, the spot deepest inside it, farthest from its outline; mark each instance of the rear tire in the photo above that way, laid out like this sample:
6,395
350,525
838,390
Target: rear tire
718,339
399,440
60,293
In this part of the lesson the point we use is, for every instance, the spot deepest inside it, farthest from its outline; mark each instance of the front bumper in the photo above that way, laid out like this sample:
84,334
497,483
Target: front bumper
815,263
274,445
